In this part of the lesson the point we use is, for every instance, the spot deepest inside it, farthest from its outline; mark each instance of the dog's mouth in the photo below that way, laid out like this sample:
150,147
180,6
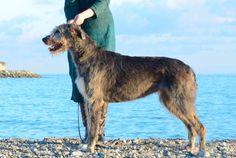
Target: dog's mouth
55,47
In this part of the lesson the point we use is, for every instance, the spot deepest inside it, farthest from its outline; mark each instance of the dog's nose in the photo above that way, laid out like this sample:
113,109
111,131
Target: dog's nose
45,39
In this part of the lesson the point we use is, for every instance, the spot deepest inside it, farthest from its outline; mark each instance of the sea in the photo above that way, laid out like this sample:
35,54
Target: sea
35,108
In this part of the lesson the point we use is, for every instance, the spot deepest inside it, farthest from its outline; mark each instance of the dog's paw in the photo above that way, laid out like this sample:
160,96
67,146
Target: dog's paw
190,148
91,149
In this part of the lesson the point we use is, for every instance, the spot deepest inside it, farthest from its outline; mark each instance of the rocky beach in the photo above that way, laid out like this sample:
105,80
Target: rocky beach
139,148
18,74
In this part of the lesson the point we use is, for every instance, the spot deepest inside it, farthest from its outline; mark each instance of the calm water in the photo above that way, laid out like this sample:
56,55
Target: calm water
38,108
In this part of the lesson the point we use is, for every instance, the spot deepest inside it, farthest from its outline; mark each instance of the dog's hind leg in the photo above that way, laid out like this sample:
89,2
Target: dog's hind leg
180,101
200,129
191,136
171,104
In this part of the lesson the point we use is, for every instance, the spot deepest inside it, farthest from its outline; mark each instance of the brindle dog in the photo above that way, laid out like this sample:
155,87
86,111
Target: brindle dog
105,77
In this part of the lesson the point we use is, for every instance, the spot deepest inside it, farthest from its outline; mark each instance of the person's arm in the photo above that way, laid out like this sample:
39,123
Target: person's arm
79,18
98,7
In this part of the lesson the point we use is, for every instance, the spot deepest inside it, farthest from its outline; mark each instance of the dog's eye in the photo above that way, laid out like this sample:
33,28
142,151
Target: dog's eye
57,31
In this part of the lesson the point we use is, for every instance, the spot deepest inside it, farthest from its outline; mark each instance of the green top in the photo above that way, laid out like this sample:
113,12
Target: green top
100,27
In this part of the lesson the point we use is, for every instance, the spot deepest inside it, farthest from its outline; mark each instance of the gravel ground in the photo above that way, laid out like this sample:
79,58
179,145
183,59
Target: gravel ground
143,148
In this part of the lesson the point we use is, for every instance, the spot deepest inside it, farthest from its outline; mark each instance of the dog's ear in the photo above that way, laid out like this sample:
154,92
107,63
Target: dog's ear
81,33
77,30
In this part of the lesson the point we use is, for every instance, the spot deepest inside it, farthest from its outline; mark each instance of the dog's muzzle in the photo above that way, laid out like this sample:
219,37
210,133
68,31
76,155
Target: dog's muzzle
45,39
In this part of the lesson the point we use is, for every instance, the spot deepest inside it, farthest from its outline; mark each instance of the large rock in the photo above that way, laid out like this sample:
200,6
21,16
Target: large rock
2,65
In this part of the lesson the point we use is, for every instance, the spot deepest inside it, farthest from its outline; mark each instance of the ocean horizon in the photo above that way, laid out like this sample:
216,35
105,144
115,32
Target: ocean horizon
35,108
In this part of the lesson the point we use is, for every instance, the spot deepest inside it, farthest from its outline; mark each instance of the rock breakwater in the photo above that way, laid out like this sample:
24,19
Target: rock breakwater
18,74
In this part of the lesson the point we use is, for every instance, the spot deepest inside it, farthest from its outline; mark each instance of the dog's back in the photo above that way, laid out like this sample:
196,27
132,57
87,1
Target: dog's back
128,78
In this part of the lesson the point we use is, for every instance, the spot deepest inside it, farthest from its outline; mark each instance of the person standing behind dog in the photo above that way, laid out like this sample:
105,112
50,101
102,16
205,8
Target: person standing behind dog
96,20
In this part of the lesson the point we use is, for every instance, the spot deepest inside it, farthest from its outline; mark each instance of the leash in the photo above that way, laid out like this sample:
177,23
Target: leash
81,139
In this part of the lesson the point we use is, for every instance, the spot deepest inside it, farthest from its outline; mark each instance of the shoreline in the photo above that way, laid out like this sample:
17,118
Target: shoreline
72,147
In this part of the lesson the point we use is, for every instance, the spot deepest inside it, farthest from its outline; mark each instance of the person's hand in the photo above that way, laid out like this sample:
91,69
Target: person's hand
79,19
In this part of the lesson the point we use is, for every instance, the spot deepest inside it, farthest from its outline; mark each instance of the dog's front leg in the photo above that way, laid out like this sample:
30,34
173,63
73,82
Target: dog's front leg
95,116
87,121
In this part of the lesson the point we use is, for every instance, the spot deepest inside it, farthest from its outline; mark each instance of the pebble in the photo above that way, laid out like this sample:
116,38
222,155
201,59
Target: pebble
139,148
77,153
207,154
102,155
136,141
83,147
165,153
224,144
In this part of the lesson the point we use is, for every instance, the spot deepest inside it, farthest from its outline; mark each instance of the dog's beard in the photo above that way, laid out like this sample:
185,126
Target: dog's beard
56,48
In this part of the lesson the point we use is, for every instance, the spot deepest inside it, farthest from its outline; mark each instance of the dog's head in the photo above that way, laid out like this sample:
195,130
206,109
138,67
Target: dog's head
62,38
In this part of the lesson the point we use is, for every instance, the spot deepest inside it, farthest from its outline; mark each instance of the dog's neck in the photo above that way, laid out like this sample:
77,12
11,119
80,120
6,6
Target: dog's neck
84,50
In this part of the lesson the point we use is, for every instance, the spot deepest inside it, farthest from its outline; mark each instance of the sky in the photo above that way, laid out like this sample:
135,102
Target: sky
202,33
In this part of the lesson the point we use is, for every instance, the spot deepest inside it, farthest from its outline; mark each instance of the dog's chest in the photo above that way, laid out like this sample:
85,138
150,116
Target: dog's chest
79,81
81,85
